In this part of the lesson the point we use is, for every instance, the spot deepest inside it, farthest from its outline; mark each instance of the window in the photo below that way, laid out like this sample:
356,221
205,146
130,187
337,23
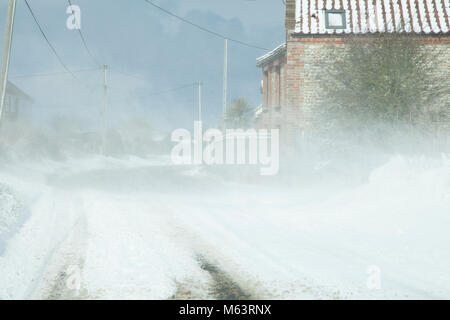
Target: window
335,19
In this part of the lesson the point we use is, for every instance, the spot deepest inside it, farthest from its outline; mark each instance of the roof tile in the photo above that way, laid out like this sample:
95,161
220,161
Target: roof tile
369,16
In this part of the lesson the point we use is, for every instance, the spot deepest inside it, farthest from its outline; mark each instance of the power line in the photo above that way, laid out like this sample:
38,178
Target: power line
51,73
84,41
203,28
90,89
48,42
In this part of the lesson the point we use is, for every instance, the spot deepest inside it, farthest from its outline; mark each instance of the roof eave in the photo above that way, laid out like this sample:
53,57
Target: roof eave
368,34
272,55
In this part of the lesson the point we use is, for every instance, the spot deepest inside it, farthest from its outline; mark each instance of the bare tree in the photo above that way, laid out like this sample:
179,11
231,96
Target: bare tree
239,114
392,79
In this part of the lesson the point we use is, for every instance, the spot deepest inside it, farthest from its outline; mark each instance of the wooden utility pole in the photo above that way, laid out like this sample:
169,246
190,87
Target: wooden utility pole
199,101
104,107
6,53
225,79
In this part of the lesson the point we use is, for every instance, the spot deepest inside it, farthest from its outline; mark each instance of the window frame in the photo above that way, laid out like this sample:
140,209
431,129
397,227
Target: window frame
327,21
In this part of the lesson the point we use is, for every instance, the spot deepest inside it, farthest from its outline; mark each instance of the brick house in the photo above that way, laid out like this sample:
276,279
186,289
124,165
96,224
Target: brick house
289,91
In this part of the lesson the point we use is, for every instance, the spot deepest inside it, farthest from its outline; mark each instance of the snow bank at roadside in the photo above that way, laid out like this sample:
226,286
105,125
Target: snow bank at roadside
12,212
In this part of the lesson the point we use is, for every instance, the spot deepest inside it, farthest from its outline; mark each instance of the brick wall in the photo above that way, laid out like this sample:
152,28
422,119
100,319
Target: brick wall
303,90
290,14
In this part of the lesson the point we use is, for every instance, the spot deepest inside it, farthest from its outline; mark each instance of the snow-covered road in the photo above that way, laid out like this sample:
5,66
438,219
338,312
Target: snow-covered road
147,230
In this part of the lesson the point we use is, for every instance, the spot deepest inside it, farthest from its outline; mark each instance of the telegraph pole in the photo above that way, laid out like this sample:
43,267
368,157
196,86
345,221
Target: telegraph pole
104,106
6,53
225,79
199,101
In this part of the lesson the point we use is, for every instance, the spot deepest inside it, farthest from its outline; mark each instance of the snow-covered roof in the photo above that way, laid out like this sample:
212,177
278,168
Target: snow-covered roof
13,90
370,16
259,110
281,49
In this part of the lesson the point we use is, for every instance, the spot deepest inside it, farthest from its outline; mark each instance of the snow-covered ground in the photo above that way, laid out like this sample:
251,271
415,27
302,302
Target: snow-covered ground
12,212
133,228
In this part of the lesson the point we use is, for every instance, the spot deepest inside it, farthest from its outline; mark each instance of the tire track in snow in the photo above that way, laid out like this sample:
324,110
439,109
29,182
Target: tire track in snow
228,276
223,287
217,283
62,269
66,283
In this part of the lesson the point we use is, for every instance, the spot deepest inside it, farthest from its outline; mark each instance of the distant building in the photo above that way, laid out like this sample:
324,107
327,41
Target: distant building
16,101
271,113
289,90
